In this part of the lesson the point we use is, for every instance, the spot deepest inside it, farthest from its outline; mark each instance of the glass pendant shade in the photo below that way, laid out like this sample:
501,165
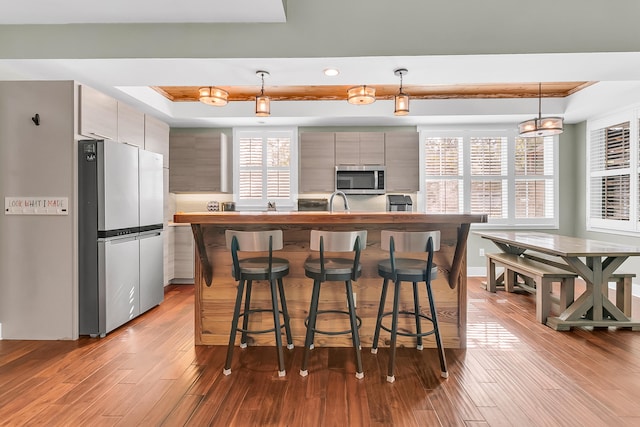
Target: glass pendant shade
263,103
541,126
263,106
361,95
402,104
213,96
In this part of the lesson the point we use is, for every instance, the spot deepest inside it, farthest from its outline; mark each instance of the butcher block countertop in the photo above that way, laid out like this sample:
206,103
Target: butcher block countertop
215,289
323,217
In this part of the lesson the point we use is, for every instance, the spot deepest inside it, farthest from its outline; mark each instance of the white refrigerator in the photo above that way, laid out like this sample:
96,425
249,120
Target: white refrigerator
120,203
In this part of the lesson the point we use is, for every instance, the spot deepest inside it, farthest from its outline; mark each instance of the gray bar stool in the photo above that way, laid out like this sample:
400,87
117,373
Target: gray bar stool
246,270
408,270
334,268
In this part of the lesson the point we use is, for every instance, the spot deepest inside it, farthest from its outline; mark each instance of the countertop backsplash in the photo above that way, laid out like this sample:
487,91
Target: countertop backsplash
197,202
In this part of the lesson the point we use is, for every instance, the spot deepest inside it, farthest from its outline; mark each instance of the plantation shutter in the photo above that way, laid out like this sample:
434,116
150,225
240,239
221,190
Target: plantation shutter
489,176
444,175
534,196
610,186
250,182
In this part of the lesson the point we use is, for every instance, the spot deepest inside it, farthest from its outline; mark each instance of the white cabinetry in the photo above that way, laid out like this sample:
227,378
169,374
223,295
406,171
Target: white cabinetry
317,160
402,162
183,255
156,138
359,148
98,115
130,125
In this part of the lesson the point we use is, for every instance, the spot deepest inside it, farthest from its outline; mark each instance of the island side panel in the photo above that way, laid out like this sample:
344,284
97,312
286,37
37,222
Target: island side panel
214,304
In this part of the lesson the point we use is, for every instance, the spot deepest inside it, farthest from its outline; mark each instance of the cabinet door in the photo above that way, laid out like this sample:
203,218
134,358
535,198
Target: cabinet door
317,160
402,161
130,125
184,255
195,162
156,138
371,148
347,148
98,114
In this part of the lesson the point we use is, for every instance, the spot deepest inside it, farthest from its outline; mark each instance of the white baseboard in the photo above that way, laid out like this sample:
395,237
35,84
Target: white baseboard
0,331
482,272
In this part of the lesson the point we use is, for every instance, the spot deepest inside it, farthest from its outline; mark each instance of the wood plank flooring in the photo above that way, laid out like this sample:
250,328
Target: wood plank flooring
515,372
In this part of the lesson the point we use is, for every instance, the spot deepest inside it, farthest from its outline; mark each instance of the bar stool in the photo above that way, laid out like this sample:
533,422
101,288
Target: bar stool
408,270
329,269
247,270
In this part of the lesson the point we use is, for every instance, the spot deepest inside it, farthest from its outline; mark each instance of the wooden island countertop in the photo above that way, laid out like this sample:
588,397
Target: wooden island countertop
215,288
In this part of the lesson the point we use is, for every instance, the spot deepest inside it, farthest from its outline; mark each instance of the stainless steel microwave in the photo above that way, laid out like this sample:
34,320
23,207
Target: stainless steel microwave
360,179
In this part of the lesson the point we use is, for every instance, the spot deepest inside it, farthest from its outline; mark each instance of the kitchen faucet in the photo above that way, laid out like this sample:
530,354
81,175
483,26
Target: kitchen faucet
344,197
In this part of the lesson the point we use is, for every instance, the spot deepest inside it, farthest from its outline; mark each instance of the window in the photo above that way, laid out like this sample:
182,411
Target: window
266,167
613,165
511,179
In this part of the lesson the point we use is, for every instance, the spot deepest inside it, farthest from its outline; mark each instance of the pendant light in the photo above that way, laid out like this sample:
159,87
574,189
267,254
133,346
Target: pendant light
263,107
361,95
401,99
213,96
540,126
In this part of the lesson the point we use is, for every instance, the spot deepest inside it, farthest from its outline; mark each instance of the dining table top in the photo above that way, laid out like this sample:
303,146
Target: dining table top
559,245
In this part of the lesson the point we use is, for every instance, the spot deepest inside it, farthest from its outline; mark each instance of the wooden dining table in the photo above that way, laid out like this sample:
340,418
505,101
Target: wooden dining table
593,260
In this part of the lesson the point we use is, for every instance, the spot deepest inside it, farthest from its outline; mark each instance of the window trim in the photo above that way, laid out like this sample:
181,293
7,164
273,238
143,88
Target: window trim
264,133
631,115
492,130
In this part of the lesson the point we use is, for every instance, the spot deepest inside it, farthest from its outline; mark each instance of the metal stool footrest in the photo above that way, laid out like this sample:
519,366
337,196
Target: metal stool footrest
259,310
409,334
346,313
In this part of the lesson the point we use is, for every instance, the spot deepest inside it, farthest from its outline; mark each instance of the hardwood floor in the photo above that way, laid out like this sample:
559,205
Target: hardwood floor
514,372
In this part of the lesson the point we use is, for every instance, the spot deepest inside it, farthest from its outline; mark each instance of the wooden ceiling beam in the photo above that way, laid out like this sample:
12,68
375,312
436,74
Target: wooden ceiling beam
337,93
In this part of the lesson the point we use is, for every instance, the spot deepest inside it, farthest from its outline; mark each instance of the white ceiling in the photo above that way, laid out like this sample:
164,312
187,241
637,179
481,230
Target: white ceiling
129,79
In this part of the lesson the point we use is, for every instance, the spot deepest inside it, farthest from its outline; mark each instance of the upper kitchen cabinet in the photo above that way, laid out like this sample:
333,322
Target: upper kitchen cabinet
98,115
156,138
197,162
130,125
402,162
317,160
359,148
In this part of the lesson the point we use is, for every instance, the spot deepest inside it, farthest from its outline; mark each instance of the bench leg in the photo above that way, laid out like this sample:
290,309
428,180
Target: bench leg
543,299
623,295
567,290
509,279
491,275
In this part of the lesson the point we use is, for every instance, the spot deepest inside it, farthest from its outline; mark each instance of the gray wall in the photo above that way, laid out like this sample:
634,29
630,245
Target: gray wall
38,279
353,28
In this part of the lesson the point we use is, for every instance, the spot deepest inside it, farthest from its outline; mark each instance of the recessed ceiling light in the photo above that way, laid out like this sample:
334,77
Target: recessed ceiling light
331,72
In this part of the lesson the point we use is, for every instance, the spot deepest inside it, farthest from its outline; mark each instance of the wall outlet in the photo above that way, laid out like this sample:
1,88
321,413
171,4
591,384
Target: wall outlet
481,252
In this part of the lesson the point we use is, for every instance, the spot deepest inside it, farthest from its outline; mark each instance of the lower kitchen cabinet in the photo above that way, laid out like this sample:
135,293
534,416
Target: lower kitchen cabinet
183,255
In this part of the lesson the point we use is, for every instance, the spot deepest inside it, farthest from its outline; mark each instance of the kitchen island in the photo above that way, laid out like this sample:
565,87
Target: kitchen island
215,288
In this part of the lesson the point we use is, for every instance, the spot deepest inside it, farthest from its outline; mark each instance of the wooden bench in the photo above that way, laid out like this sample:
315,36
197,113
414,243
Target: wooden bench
541,275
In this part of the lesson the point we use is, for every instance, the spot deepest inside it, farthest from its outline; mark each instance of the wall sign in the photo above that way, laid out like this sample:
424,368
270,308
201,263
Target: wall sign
36,206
